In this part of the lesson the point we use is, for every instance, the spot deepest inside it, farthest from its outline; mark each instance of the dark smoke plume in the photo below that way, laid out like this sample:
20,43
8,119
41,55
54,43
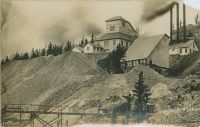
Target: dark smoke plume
5,9
72,27
156,8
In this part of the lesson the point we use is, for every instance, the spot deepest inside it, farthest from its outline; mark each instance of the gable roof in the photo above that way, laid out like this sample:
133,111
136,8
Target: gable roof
182,44
116,18
142,47
95,45
117,35
80,48
113,105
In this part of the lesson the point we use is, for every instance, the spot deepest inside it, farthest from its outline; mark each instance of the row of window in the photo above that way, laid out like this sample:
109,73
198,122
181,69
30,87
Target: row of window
98,49
186,50
112,28
114,43
136,62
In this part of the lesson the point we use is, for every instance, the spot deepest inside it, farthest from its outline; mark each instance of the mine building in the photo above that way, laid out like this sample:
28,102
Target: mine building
118,31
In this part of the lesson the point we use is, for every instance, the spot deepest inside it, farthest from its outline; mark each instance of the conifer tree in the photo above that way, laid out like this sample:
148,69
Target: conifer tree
16,57
43,52
86,42
142,94
92,38
50,49
2,61
33,54
82,43
129,100
25,56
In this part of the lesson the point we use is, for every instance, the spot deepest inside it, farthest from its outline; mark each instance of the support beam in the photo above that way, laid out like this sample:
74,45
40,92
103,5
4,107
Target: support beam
177,22
184,23
171,25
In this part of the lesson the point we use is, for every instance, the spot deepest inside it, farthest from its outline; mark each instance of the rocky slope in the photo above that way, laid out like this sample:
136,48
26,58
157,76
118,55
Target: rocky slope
76,81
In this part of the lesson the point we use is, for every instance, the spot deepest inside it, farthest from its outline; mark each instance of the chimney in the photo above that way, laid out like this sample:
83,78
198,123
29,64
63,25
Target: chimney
171,24
184,23
177,22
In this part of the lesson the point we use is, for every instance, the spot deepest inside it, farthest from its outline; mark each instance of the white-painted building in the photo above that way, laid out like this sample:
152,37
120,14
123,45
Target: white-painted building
77,49
93,48
118,31
183,48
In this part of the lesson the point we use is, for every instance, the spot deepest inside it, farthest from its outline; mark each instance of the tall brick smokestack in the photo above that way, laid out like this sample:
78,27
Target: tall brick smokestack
171,24
184,23
177,22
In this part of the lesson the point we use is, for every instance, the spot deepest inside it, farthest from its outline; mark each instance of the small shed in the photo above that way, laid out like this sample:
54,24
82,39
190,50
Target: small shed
116,107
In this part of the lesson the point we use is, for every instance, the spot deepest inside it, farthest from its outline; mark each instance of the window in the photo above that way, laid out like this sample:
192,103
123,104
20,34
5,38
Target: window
185,50
121,43
129,63
106,43
181,51
88,48
126,44
97,48
114,42
123,24
190,50
94,48
112,28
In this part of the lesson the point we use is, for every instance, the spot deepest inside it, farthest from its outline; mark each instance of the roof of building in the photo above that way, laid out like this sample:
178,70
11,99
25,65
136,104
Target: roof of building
80,48
142,47
113,105
182,44
116,18
117,35
95,45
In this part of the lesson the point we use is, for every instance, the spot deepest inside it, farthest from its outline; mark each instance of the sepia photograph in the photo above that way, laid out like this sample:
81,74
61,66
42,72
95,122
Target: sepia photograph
100,63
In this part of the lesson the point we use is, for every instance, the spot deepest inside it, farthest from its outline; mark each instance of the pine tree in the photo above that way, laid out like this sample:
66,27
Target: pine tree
16,57
142,94
25,56
82,42
67,46
92,38
86,42
50,49
2,61
37,53
129,100
33,54
7,59
43,52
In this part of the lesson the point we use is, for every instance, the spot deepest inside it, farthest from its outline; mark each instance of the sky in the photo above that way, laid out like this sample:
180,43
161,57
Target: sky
33,24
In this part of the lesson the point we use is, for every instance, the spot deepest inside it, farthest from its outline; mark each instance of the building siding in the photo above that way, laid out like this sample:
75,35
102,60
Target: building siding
183,50
160,55
93,49
110,45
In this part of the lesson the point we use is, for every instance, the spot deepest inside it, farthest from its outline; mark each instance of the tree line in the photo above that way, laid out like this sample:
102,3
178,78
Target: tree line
85,41
52,49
